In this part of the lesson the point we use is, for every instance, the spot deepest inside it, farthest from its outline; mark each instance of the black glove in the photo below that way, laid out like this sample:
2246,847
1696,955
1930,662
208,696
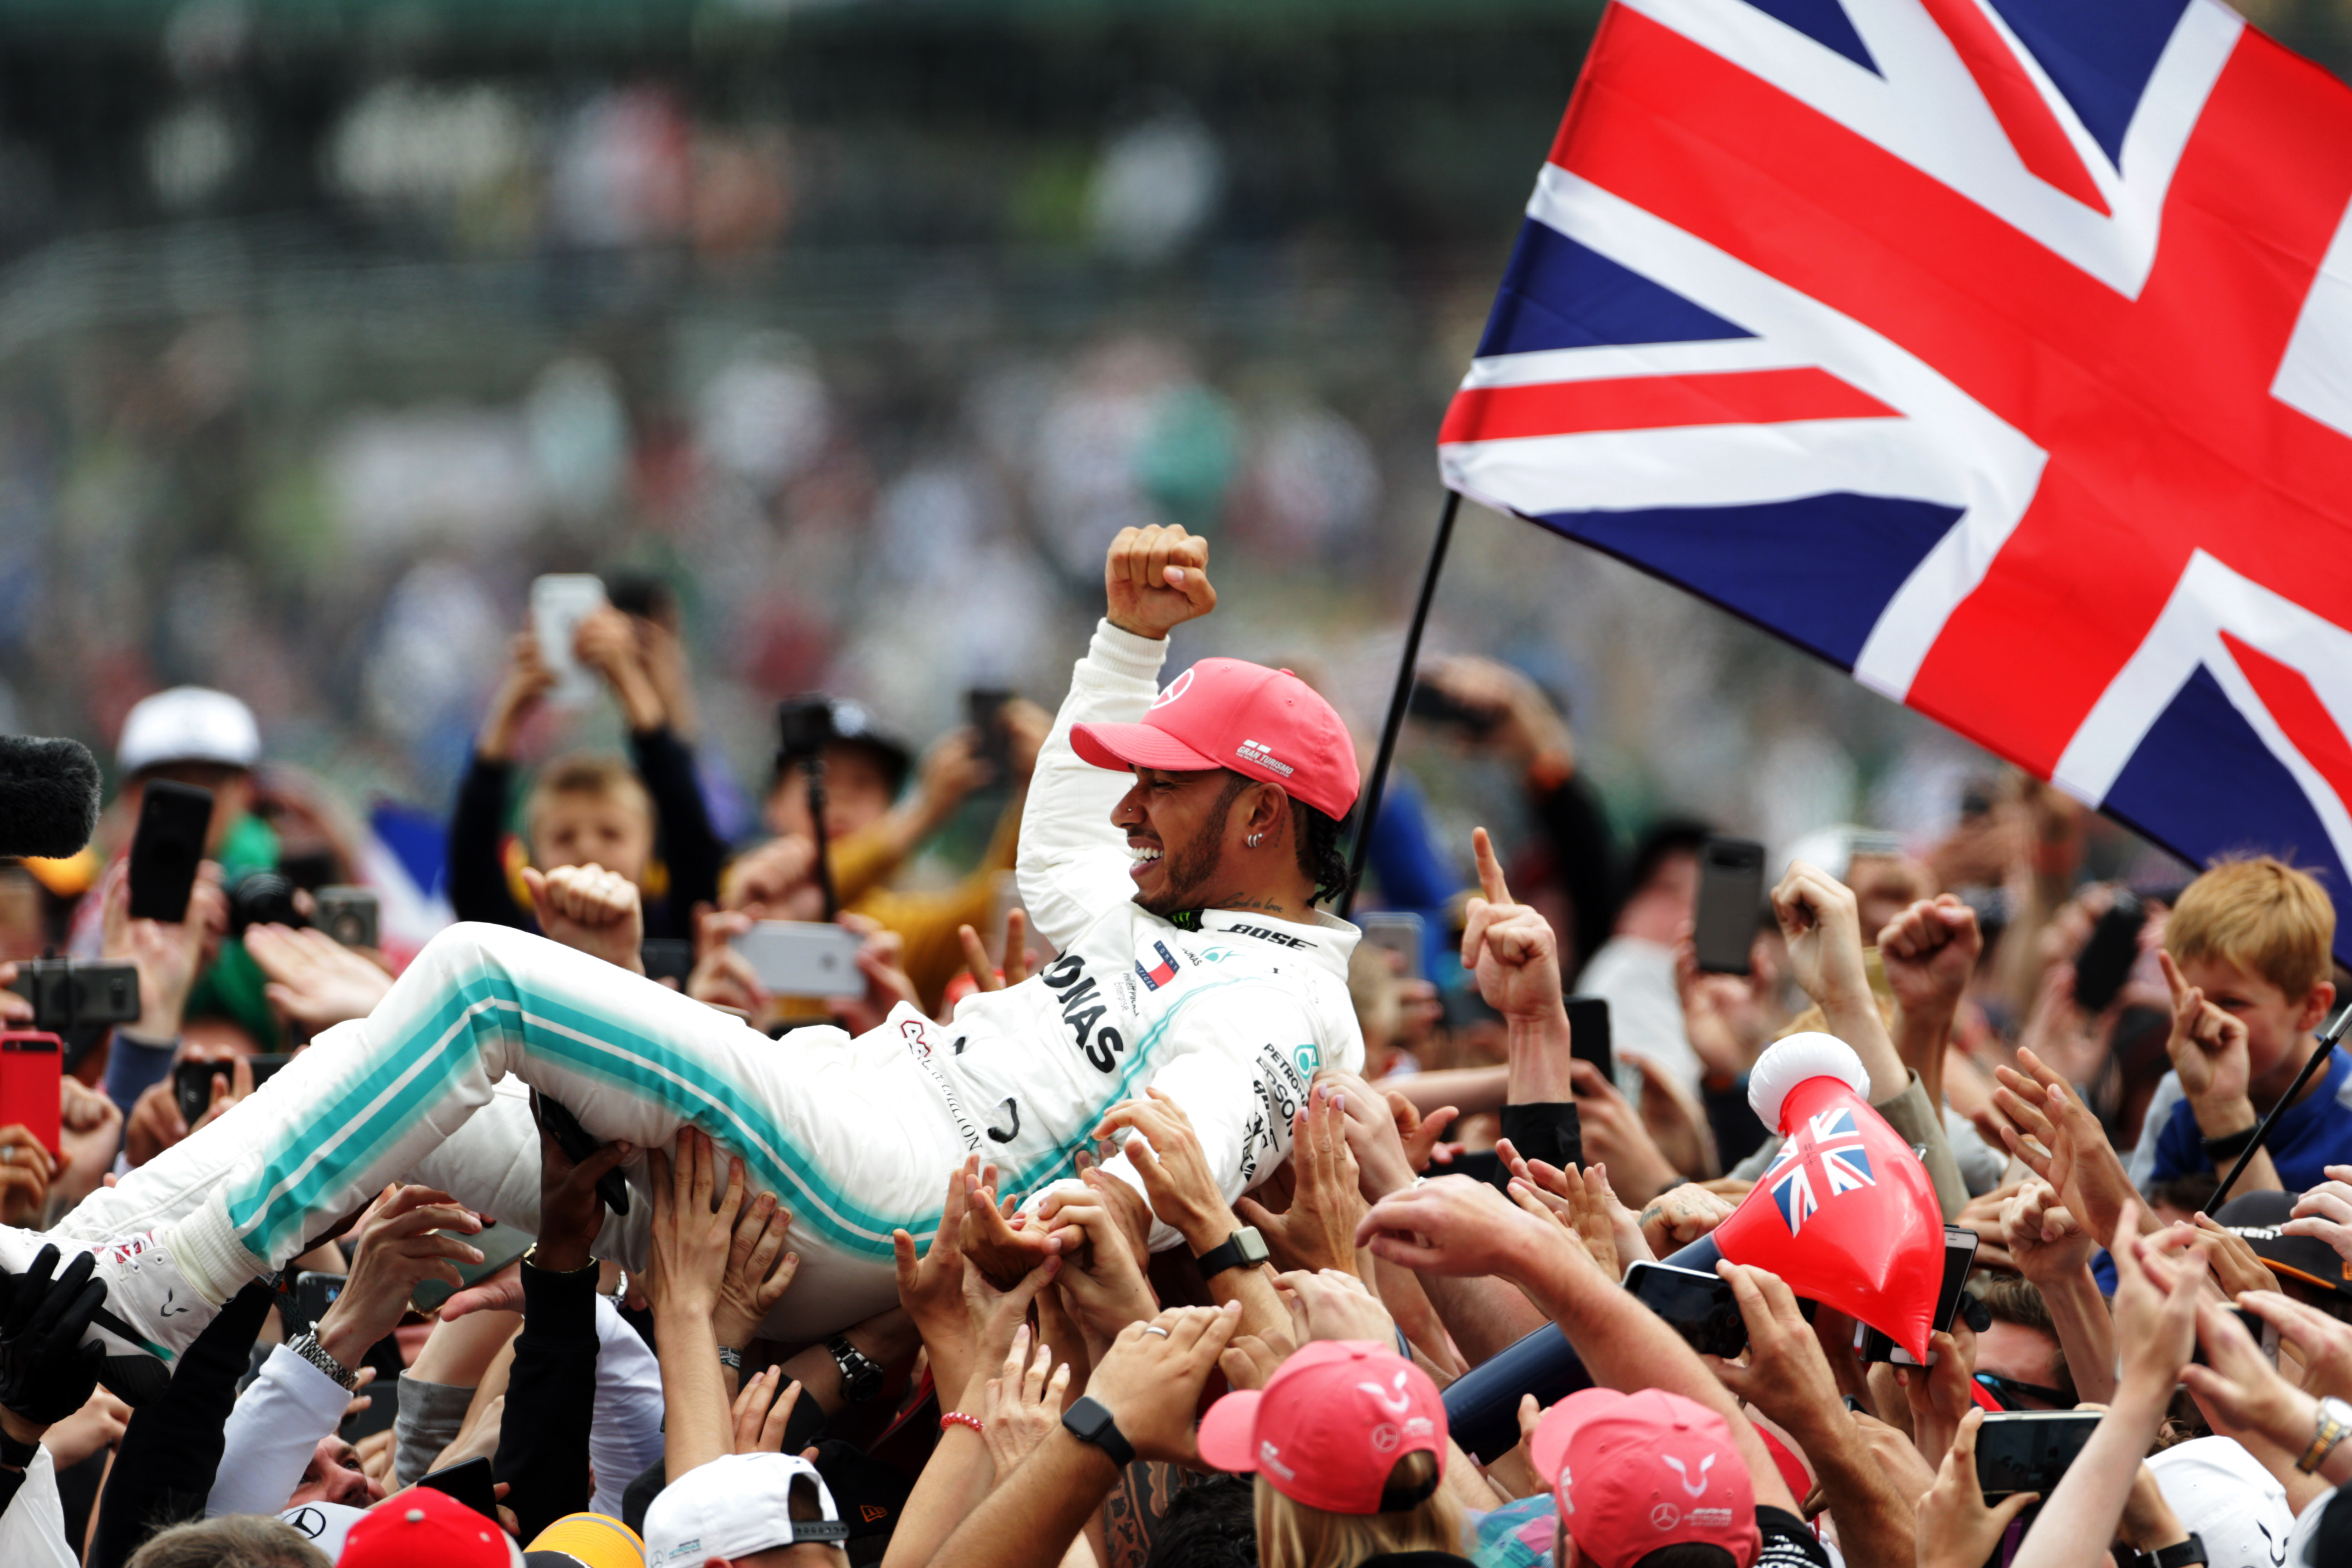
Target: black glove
45,1373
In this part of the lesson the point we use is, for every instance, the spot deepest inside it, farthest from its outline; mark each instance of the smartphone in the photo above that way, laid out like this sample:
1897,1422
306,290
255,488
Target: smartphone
1699,1307
2109,954
314,1292
471,1484
577,1144
175,819
350,915
1730,896
667,958
2266,1334
641,595
75,993
1398,932
1588,1034
192,1082
499,1245
2029,1450
31,1063
559,602
804,958
1959,1257
1436,705
984,709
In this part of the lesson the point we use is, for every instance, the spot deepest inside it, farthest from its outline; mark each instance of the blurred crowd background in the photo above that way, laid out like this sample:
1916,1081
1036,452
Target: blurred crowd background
324,328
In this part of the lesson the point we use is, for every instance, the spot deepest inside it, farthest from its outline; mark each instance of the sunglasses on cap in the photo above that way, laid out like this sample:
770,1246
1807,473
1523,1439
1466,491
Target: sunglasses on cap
2009,1391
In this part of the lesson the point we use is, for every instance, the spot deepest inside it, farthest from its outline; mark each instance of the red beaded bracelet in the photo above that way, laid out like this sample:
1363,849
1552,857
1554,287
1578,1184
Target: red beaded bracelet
957,1418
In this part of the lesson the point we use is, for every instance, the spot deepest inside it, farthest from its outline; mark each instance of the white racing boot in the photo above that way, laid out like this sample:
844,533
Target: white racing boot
150,1312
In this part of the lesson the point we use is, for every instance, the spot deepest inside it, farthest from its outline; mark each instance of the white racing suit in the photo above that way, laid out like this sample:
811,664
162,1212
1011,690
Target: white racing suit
1228,1013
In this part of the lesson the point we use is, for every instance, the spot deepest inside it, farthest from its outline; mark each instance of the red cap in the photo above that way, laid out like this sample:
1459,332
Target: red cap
1265,724
1637,1471
421,1525
1330,1427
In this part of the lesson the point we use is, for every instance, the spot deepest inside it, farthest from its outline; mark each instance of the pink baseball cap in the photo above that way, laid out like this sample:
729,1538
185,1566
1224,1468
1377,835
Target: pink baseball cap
1329,1426
1637,1471
1265,724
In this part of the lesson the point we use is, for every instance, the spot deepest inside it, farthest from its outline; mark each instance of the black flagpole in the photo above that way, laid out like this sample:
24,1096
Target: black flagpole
2328,1039
1370,798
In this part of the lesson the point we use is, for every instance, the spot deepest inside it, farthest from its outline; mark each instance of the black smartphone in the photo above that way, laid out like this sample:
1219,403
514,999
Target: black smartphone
668,958
2029,1450
577,1145
1730,897
1435,705
2109,954
1959,1257
1398,932
192,1082
76,993
1588,1034
314,1292
984,708
352,916
174,822
1699,1307
470,1483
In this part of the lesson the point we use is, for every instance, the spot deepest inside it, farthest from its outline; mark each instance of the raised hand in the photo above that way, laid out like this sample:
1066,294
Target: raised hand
314,979
989,976
2326,1212
45,1373
1329,1305
759,1272
1680,1216
1319,1229
990,1240
1156,578
721,976
527,682
931,1289
1786,1376
1457,1226
692,1235
1930,951
25,1171
1822,927
1509,946
1023,1403
401,1242
1581,1200
2207,1048
1957,1530
588,908
1157,1139
763,1410
1102,1278
1151,1381
2044,1239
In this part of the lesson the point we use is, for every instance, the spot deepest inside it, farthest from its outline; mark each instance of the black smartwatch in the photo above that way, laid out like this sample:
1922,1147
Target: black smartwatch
1246,1248
1089,1422
2188,1553
861,1374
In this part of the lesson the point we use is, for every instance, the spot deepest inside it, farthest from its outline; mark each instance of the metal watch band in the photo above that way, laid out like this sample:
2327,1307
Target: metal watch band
2335,1423
1089,1421
861,1374
307,1347
1245,1247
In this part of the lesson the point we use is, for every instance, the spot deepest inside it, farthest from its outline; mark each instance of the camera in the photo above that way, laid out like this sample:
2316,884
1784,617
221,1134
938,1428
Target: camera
73,994
262,898
804,726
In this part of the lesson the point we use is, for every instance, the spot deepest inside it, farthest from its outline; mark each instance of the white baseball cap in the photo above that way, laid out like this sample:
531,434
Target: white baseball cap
734,1506
2221,1491
324,1524
188,724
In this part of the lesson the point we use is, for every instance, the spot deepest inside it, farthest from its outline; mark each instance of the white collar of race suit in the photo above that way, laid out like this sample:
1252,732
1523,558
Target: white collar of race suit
1327,940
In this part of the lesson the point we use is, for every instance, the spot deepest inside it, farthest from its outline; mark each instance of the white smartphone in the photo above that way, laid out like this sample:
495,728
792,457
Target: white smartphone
1397,931
559,602
804,958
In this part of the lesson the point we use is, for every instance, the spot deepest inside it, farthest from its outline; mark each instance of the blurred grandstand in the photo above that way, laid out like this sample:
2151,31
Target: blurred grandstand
325,327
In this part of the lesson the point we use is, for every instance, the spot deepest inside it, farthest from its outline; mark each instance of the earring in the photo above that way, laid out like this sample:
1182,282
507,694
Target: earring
1254,838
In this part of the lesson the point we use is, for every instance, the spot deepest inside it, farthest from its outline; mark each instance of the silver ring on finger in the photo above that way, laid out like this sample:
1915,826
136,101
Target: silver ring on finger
1155,1329
8,1155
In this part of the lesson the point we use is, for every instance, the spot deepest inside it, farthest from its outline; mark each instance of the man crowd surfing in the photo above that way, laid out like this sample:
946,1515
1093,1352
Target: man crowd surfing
1119,1207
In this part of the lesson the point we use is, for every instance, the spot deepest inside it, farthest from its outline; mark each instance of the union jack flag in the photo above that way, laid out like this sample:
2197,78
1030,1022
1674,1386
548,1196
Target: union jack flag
1997,351
1826,1148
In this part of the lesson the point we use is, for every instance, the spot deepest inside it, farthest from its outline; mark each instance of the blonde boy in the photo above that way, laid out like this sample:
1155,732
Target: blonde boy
2247,952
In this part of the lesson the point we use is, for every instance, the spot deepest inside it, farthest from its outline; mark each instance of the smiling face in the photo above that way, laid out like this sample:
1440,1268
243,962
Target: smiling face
334,1475
1177,826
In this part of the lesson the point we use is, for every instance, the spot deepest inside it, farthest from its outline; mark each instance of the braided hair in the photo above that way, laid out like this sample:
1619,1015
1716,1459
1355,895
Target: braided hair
1320,838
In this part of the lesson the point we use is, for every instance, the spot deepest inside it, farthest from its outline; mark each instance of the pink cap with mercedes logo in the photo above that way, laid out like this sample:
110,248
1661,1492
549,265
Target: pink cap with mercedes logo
1265,724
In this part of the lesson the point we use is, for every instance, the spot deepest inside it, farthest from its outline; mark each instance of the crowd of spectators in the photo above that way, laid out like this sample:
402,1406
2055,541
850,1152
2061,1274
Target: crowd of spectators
1279,1400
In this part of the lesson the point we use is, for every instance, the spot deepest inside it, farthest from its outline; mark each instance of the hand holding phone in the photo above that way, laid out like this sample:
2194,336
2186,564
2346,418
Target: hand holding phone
1730,903
559,602
2030,1450
31,1063
804,958
470,1483
1699,1307
174,821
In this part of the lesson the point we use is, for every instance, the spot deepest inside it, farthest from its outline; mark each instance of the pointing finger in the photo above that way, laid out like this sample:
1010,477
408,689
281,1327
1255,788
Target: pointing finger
1490,869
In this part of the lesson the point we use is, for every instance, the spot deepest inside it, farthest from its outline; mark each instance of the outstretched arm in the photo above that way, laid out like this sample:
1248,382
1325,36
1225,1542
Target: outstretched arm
1073,863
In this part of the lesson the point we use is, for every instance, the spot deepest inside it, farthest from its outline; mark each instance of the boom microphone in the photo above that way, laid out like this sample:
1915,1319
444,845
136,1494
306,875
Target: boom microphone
48,796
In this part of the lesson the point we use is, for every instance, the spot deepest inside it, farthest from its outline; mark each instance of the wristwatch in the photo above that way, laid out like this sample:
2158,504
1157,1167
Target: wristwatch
2335,1423
1246,1248
2188,1553
861,1374
1090,1422
307,1347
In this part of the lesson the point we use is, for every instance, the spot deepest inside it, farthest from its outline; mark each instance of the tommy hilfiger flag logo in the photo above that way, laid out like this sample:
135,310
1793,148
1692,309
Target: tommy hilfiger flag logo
1161,973
1825,1157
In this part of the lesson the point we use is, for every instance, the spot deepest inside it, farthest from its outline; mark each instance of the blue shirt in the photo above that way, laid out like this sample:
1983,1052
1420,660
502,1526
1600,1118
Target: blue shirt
2311,1134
